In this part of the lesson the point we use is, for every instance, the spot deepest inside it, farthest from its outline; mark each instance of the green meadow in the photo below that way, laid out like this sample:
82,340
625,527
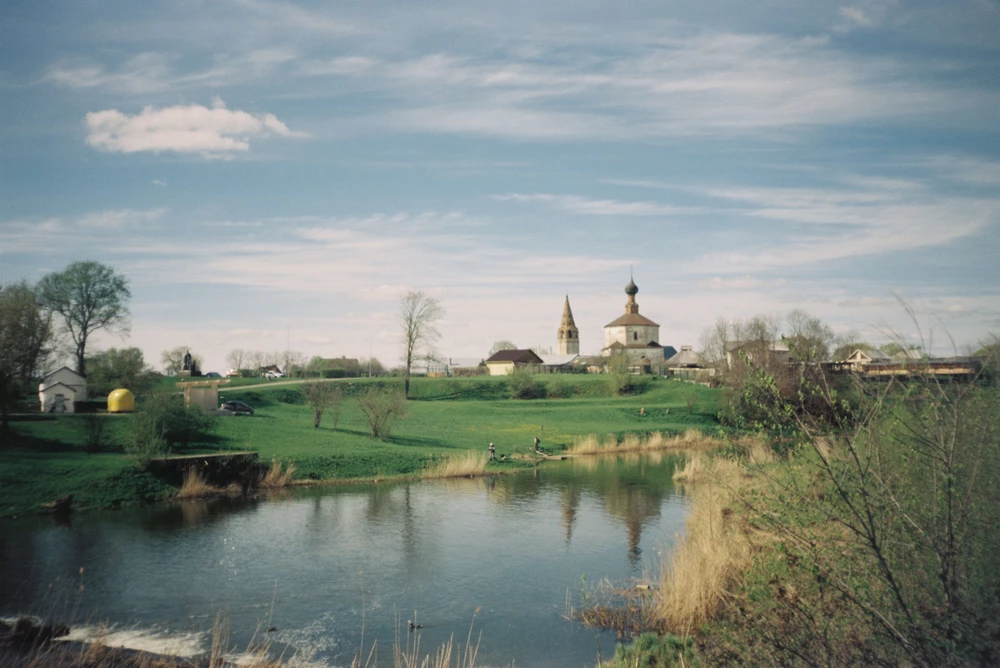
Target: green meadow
445,417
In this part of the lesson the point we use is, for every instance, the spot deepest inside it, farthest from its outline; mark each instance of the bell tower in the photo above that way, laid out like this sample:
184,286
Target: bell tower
569,335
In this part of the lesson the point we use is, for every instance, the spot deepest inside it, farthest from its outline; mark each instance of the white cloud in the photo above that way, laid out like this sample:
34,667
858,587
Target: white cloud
598,207
181,129
857,16
158,182
116,219
742,283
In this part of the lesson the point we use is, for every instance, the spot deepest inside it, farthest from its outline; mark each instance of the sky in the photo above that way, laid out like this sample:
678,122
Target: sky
273,175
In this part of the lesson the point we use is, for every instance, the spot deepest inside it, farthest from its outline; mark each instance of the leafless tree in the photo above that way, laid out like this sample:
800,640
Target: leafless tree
809,338
418,317
235,358
322,397
254,360
382,407
292,361
371,366
502,344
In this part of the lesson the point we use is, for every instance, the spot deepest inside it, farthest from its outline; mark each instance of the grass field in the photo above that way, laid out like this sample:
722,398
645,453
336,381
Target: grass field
445,417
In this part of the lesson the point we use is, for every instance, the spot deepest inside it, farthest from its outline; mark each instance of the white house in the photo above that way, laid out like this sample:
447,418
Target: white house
635,334
60,390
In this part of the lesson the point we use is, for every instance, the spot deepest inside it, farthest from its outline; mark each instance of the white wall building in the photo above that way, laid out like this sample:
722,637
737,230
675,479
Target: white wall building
60,390
636,334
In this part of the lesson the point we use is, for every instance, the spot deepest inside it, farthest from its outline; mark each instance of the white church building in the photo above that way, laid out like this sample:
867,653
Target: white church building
60,390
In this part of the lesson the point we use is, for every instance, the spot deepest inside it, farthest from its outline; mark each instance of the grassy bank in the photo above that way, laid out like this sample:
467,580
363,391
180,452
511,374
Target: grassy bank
871,543
446,419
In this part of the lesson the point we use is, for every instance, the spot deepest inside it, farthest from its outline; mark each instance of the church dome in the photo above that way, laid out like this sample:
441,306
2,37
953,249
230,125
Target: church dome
631,288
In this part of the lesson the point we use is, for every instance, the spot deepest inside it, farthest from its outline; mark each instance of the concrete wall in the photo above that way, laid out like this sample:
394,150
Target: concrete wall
206,397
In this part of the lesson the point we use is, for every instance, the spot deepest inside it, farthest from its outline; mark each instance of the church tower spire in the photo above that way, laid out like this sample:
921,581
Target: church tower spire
569,335
631,306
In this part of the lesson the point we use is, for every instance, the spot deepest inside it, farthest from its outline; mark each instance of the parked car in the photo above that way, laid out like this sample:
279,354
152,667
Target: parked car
274,375
233,373
213,374
237,407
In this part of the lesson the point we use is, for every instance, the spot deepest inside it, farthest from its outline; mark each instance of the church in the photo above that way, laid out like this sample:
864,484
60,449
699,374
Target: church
632,333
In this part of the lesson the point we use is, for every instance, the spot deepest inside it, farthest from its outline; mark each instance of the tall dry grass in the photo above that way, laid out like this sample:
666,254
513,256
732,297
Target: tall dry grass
276,477
701,570
690,439
472,463
194,485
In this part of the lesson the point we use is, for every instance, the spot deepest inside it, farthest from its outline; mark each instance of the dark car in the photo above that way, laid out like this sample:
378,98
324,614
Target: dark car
213,374
237,407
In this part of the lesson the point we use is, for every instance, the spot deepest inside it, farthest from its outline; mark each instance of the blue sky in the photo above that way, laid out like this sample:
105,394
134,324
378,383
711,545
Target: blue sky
266,172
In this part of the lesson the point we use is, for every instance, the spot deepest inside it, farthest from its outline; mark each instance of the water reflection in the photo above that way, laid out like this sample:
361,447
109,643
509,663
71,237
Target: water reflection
512,545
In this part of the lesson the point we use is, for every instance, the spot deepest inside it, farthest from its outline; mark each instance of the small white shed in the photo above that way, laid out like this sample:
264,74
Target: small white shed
60,390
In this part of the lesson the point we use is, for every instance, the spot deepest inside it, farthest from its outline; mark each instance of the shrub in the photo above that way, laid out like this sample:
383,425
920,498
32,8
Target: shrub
287,395
382,407
649,649
559,389
162,423
523,385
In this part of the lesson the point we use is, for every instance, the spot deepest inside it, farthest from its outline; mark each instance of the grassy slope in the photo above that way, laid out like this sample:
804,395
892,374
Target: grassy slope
447,416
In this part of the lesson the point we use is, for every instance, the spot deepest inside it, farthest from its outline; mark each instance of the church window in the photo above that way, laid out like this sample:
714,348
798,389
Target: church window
635,336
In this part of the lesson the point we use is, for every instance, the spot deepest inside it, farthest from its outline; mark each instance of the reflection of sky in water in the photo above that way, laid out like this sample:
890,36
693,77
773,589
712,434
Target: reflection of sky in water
308,563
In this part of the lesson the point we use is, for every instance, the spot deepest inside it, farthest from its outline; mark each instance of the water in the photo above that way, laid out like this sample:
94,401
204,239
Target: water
324,564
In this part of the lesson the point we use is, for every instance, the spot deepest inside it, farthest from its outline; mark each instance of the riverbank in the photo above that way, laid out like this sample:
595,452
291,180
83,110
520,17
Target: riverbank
871,543
447,418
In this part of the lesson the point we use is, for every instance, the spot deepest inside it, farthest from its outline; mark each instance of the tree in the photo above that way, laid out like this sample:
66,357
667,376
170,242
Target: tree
714,341
619,368
371,366
89,296
25,332
173,360
382,407
292,362
113,368
235,358
418,315
809,339
323,396
502,344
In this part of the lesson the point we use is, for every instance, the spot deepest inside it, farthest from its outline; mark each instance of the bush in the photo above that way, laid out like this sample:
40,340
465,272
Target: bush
382,407
649,649
524,385
162,423
287,396
560,389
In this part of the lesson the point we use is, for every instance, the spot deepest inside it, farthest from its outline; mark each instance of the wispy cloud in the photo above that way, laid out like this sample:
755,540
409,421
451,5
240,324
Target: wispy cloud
598,207
119,218
214,131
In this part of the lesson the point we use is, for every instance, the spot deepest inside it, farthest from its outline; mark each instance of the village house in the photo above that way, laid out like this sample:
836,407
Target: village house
60,390
505,361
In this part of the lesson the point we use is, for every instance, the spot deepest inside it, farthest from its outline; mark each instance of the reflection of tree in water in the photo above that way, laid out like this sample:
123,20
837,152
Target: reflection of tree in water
631,488
570,502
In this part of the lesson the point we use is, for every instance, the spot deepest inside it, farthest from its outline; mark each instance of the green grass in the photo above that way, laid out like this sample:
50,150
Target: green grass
446,416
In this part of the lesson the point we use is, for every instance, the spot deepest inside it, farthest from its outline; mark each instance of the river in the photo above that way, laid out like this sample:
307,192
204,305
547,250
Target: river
323,565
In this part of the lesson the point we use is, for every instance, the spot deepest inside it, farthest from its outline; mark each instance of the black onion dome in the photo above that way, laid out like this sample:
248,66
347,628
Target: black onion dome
631,288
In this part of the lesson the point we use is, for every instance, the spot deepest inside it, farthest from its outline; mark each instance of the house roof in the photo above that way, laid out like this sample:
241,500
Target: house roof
52,373
54,385
522,356
618,345
346,363
631,319
558,360
686,357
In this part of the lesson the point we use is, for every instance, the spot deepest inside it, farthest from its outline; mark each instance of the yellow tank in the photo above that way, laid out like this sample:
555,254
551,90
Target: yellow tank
121,401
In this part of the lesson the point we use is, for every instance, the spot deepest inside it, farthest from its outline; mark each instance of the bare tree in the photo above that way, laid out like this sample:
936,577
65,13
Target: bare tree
714,341
502,344
809,338
89,296
292,361
255,360
322,397
418,315
235,358
382,407
371,366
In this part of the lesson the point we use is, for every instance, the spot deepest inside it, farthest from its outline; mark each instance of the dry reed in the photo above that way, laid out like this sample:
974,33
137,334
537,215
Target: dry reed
690,439
472,463
275,477
713,552
194,485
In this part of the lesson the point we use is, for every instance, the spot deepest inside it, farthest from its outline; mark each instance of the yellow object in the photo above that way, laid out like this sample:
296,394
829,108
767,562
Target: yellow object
121,401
